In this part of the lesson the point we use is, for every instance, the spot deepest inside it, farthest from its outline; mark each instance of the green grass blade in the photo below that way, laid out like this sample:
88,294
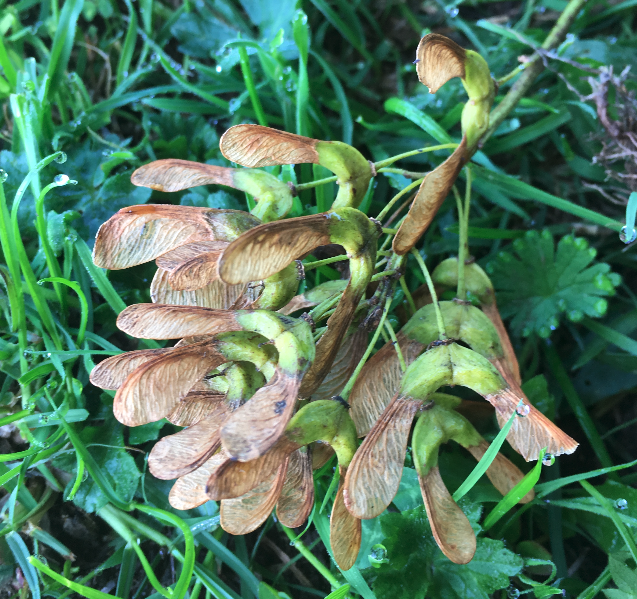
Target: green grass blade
23,557
424,121
612,336
83,303
339,593
128,48
544,489
528,134
523,191
244,61
102,283
63,43
515,494
574,401
485,461
302,41
346,115
80,589
230,559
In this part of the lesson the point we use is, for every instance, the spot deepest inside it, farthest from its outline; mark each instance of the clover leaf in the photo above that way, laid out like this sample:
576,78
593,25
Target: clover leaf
536,283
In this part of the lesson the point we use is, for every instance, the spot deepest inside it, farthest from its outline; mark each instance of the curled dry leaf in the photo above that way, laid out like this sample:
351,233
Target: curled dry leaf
373,477
195,406
159,321
112,372
246,513
431,194
449,525
189,491
181,453
438,60
233,479
154,389
269,248
344,364
257,425
345,533
379,380
531,433
502,472
297,495
215,295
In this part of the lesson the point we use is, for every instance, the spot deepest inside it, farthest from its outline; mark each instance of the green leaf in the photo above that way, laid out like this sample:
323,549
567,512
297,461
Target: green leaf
536,283
146,432
623,576
411,548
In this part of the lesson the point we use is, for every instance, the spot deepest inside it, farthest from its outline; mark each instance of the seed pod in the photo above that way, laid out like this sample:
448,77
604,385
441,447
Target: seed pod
297,495
246,513
177,455
345,530
431,194
478,283
195,406
215,294
257,146
189,491
274,197
139,234
374,475
441,59
379,380
193,265
267,249
450,527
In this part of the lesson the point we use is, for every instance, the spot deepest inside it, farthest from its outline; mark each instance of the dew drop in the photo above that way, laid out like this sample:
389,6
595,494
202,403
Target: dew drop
218,68
513,593
625,237
523,410
621,504
61,179
3,175
548,459
61,158
453,12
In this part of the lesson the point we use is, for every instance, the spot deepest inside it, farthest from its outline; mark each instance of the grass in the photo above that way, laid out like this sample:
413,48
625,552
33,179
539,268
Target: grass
91,90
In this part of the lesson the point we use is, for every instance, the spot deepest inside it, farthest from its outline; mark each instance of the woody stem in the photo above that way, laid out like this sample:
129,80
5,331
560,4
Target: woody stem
533,68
